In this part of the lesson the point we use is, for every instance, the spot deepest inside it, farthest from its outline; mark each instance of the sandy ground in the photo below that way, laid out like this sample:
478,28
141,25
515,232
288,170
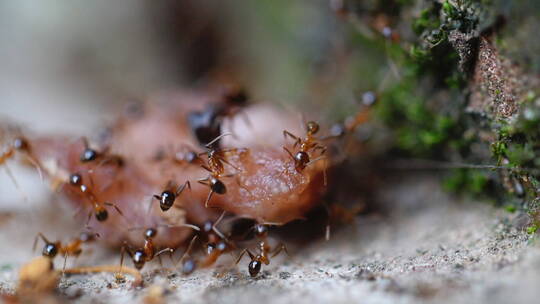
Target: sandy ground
427,247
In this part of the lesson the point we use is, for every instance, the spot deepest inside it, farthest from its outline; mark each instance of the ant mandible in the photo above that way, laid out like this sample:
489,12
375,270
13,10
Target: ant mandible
169,195
216,158
74,248
99,209
306,145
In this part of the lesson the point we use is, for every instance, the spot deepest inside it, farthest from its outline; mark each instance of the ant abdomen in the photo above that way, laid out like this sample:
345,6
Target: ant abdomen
217,186
254,268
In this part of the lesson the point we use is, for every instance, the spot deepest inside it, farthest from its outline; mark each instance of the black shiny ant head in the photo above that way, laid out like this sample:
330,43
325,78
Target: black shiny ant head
20,144
150,233
75,179
301,159
166,200
50,250
188,266
102,214
205,125
217,186
261,230
88,155
312,127
139,258
254,268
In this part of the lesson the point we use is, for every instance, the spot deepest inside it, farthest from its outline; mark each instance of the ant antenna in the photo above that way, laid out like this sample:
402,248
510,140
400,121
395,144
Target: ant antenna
209,145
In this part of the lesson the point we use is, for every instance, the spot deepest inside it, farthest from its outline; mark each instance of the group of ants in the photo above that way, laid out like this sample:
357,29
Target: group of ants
206,126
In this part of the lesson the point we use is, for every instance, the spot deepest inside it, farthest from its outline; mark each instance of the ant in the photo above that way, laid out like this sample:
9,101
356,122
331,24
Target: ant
306,145
216,158
206,125
52,249
217,244
265,253
90,155
99,209
169,195
148,252
21,145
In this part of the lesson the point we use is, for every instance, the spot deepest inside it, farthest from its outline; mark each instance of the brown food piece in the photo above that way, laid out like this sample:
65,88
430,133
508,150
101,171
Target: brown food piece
266,187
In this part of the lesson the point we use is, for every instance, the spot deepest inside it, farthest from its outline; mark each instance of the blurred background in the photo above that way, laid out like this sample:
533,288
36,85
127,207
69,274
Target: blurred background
67,67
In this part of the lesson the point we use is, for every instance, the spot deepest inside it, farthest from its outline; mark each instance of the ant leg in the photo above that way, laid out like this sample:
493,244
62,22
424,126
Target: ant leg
115,207
279,250
181,188
209,145
188,250
15,183
287,133
242,255
206,168
228,163
39,235
289,152
157,197
65,262
324,169
208,198
89,217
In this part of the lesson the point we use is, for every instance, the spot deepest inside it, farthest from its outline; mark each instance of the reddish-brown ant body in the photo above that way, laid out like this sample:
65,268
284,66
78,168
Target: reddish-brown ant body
99,209
74,248
148,252
18,145
168,196
89,155
264,255
306,145
216,158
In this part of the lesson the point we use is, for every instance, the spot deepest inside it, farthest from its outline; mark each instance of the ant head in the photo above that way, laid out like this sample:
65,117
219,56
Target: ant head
217,186
50,250
88,155
254,268
261,230
189,266
20,144
312,127
75,179
139,258
150,233
166,200
101,214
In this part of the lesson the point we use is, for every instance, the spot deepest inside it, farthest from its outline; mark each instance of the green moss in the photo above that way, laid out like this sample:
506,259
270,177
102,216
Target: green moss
466,181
